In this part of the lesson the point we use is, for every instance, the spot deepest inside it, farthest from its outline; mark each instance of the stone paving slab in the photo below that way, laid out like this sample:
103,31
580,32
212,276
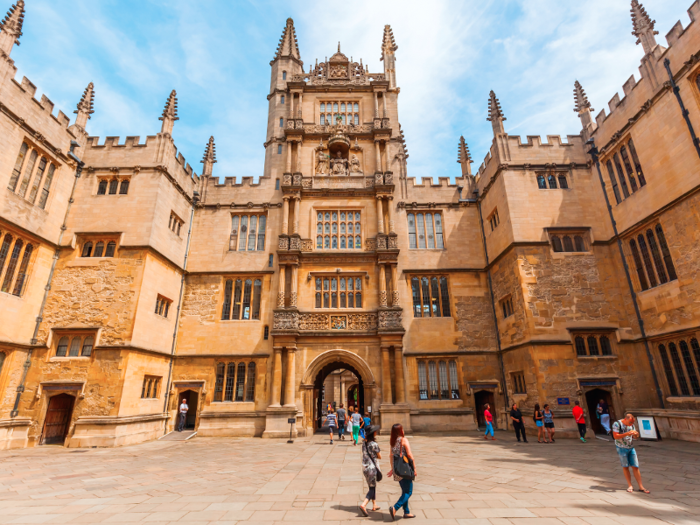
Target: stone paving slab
463,480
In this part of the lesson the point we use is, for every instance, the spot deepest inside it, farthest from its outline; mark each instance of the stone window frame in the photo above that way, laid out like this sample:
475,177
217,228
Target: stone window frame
73,344
552,180
594,343
440,306
679,358
445,378
326,114
239,291
330,236
621,164
229,387
89,246
239,241
151,387
506,304
34,184
493,219
430,227
163,306
324,296
107,183
175,223
569,241
649,257
518,382
17,256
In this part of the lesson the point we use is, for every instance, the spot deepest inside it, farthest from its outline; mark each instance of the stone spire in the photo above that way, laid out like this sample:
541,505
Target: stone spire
402,140
464,157
85,106
495,114
389,48
11,27
288,46
643,27
209,158
169,114
582,106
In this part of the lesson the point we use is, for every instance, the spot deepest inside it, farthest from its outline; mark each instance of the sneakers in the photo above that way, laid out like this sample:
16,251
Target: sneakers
331,441
583,440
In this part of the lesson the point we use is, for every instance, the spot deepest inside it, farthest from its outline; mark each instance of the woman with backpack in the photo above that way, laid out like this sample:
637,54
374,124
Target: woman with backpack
401,452
370,467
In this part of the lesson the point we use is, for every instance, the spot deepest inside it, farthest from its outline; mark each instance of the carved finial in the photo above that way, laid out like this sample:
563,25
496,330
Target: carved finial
580,99
402,140
11,27
464,157
496,116
288,46
389,48
169,113
85,106
388,43
209,158
643,27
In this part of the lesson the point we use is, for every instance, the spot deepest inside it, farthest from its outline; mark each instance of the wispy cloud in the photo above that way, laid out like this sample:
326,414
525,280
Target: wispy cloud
216,54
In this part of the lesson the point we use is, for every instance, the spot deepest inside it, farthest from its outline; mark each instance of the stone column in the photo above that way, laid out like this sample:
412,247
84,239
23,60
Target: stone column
280,293
386,377
300,106
384,103
298,165
376,105
390,209
382,285
293,298
285,215
295,222
380,216
378,157
276,378
289,157
398,374
290,386
394,286
291,105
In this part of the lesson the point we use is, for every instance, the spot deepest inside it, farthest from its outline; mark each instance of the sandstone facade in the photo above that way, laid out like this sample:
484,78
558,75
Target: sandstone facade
128,282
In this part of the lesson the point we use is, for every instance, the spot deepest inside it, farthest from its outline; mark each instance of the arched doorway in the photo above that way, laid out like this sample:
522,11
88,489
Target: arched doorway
480,399
57,421
319,400
593,397
353,396
192,399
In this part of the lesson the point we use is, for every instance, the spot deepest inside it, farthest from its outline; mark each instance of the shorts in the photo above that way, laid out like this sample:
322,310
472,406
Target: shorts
628,457
539,423
549,425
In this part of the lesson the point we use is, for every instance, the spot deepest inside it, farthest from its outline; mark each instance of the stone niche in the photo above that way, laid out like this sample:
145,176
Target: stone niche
339,165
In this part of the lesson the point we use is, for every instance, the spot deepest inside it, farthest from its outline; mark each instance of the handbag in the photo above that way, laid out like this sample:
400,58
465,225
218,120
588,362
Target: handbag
380,476
403,467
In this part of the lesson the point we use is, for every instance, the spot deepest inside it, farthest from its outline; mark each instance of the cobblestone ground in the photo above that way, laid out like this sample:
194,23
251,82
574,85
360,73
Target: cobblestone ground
462,480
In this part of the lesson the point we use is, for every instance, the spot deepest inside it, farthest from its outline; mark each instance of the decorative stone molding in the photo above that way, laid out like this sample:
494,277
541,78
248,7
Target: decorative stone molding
294,243
315,322
370,245
293,299
307,245
287,179
395,298
390,320
369,182
382,298
285,319
280,300
381,242
393,242
283,243
296,179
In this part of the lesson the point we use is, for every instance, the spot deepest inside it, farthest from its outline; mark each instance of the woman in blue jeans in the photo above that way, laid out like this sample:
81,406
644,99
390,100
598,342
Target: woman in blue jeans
399,444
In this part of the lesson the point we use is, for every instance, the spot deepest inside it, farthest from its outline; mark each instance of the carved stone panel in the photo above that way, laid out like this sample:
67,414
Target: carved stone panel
390,320
287,179
370,245
312,321
307,245
294,243
364,322
286,320
339,322
283,243
381,242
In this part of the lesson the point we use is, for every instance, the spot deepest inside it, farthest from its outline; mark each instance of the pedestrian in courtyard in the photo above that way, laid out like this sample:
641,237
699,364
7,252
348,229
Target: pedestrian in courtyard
331,421
624,433
341,422
370,467
400,449
538,418
356,424
548,418
518,423
580,420
489,422
182,416
603,410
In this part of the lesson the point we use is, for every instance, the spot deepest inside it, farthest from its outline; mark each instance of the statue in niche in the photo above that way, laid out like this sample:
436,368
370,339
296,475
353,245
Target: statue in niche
339,165
321,163
355,164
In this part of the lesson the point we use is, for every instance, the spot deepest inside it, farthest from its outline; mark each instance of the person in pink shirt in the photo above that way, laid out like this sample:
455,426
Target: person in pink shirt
580,420
489,422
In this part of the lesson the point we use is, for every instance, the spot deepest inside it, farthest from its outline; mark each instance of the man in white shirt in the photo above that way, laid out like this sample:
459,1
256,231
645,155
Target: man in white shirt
182,415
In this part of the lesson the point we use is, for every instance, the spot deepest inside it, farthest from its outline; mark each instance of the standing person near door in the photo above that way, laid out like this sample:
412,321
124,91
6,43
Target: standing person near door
356,423
518,423
548,417
341,422
580,420
182,416
624,433
331,421
604,410
400,448
489,422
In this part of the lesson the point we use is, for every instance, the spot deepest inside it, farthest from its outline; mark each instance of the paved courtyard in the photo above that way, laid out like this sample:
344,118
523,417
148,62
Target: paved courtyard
462,480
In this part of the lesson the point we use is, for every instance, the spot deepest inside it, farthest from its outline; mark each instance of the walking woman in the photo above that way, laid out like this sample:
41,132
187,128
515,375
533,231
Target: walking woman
370,467
548,417
539,421
399,446
489,422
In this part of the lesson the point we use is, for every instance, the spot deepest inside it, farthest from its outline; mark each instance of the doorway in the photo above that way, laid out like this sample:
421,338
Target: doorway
57,421
353,397
480,399
593,397
192,399
325,390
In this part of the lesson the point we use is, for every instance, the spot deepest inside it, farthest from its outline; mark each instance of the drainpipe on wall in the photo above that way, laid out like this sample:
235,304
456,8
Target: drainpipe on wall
593,152
676,91
493,300
47,288
195,200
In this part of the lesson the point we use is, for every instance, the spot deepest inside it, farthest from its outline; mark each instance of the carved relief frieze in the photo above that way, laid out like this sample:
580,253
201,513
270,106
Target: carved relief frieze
339,322
390,319
285,319
370,245
294,243
307,245
313,321
283,243
287,179
363,322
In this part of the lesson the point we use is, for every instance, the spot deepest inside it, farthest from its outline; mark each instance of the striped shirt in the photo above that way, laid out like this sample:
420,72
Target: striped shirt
331,420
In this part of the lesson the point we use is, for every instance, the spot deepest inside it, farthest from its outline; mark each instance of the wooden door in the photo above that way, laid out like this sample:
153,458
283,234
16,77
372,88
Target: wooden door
57,420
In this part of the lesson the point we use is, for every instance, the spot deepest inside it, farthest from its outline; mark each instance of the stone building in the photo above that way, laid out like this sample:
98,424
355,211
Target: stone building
560,270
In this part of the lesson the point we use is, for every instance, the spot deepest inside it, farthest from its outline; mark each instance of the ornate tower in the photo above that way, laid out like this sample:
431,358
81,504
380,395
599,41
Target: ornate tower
11,28
643,27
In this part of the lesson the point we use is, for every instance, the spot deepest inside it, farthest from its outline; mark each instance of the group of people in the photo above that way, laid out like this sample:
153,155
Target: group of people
339,420
623,432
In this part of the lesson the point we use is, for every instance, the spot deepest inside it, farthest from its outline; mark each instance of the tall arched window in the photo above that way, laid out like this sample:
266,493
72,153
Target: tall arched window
37,180
613,181
454,383
647,260
124,187
432,378
257,292
580,345
621,175
556,243
250,385
99,249
444,385
541,182
219,384
284,75
628,168
47,187
230,381
87,346
637,164
62,348
638,265
568,245
690,367
18,166
12,265
676,360
667,370
552,182
282,99
656,256
228,291
563,183
605,345
23,267
27,173
281,122
579,244
75,346
246,298
87,249
262,223
4,250
422,381
592,345
102,187
240,382
113,185
666,253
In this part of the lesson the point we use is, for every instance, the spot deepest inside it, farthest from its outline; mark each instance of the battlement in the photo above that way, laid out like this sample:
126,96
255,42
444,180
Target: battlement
443,182
246,182
26,90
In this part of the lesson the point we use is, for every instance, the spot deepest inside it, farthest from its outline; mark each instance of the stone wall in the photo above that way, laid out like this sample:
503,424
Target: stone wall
474,319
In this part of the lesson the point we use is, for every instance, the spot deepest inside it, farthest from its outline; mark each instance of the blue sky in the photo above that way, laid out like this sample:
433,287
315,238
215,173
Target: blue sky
216,55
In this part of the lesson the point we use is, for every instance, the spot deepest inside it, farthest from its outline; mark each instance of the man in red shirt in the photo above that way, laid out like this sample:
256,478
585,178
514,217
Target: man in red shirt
580,421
